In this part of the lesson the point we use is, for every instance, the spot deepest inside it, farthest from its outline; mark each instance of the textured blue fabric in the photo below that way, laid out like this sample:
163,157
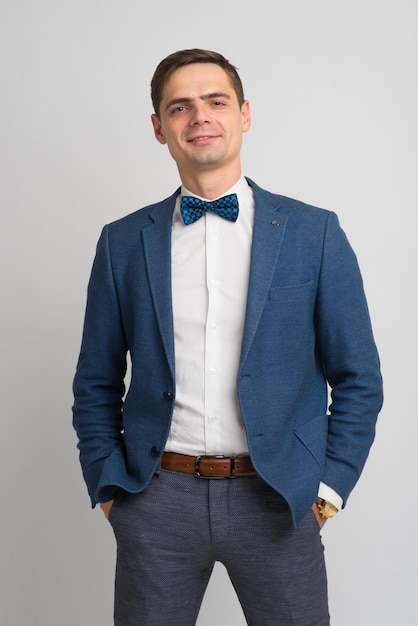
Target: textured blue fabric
192,208
170,535
306,325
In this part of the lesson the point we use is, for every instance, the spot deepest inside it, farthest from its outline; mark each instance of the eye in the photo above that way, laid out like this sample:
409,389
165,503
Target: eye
178,109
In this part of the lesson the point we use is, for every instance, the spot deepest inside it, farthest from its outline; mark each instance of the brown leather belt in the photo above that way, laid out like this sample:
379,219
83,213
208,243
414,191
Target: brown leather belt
208,466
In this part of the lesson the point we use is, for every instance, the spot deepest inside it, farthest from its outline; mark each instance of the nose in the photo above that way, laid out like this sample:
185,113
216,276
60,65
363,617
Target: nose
200,114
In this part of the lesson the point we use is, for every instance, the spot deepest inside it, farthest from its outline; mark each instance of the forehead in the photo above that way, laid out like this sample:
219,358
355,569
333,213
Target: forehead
196,80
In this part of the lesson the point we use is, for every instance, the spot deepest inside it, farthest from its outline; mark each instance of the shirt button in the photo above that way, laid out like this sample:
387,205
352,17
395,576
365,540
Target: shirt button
212,371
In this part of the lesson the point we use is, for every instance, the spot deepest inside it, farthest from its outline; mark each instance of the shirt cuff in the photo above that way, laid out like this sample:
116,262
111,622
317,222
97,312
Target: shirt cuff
327,493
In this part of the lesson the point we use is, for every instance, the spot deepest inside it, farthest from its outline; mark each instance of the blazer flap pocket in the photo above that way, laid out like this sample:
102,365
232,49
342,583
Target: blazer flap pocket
314,436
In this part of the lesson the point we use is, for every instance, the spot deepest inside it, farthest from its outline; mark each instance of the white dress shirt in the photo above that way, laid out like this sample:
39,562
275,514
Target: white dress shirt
210,274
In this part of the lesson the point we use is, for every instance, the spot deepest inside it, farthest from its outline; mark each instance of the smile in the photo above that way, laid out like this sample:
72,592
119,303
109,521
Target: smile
201,138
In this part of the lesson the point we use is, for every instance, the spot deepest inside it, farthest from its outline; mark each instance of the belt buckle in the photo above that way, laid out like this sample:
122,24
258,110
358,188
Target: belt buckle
214,456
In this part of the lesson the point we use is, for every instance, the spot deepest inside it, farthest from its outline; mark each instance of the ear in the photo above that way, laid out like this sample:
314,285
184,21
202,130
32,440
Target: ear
158,131
246,116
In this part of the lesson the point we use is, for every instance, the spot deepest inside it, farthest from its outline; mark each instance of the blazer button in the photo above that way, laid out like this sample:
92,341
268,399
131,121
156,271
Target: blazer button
155,451
168,395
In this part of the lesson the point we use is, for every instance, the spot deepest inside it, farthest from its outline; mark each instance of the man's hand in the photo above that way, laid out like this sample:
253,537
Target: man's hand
321,520
106,506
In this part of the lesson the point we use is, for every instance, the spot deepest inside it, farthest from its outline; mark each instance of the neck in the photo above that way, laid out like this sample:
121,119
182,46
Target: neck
210,184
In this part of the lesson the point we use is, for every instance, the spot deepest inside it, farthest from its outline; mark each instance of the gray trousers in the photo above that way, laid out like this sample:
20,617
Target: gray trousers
170,535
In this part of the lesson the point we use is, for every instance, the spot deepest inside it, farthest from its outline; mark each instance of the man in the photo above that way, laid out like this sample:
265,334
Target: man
236,319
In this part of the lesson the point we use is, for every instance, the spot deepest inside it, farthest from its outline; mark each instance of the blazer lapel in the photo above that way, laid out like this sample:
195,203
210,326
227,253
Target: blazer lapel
269,228
157,247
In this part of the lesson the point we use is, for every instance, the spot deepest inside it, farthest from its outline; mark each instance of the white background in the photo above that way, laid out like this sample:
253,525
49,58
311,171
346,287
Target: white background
333,88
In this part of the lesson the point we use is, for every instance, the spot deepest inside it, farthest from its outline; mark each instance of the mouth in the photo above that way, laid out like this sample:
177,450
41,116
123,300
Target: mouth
201,139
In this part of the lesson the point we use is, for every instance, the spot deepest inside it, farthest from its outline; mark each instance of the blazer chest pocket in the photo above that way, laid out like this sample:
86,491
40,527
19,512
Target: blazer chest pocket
291,293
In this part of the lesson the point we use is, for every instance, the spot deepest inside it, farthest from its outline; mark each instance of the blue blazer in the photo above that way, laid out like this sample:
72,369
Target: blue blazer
307,326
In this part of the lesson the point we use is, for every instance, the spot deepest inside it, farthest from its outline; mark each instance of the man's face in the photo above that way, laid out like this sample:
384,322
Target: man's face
200,119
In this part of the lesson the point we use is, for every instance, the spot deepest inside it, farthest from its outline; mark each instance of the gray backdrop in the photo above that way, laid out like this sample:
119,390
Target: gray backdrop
333,88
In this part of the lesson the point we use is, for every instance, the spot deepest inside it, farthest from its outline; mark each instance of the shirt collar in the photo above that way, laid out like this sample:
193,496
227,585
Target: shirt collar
240,187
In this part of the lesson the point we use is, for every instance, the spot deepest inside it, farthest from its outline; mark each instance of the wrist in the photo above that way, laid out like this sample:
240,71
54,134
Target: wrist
328,493
326,509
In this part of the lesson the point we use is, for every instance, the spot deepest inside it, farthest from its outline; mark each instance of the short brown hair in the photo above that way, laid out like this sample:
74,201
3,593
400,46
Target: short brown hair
186,57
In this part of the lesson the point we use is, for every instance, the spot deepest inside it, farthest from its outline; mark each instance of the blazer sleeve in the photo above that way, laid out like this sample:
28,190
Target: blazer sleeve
99,380
350,361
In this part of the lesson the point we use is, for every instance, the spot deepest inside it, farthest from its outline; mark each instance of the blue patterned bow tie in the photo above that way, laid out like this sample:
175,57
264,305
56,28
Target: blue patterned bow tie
192,208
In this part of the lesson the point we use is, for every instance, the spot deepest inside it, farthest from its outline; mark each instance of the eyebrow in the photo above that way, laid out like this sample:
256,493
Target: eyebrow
209,96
